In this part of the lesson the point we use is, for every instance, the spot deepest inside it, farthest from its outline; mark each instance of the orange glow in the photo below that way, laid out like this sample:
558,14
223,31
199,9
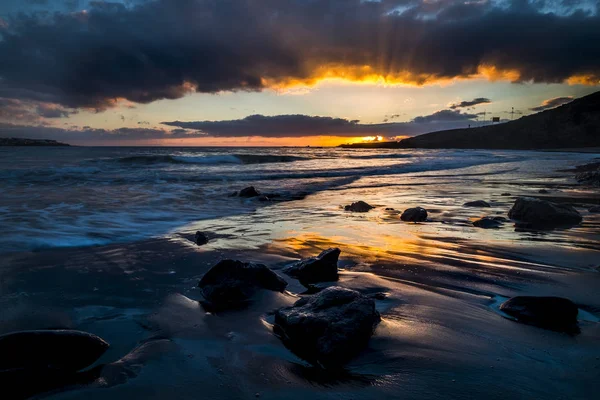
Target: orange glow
313,141
367,74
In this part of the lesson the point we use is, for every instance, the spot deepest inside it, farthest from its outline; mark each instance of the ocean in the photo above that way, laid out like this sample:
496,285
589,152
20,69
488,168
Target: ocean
101,240
81,196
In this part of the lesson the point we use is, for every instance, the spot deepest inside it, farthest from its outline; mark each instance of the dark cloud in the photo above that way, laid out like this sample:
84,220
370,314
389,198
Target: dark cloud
304,125
164,49
444,116
552,103
474,102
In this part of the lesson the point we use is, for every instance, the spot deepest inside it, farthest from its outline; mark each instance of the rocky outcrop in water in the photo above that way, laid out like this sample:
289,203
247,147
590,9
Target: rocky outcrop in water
359,206
329,328
529,212
554,313
417,214
588,174
488,223
322,268
200,238
248,192
60,350
232,283
477,203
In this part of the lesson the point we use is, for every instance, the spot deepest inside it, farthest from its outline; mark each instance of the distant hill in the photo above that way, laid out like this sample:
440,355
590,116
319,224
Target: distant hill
573,125
30,142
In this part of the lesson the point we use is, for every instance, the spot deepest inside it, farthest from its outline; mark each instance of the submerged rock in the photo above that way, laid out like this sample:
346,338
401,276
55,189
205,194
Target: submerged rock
477,203
322,268
595,209
488,223
588,174
543,191
554,313
63,350
417,214
539,213
506,194
359,206
328,328
232,283
200,238
250,191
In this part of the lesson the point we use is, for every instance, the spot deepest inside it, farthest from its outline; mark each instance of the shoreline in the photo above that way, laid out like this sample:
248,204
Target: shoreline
442,334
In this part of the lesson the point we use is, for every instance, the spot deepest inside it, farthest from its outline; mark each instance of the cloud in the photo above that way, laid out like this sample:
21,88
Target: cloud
88,135
474,102
30,111
552,103
445,116
280,126
305,126
165,49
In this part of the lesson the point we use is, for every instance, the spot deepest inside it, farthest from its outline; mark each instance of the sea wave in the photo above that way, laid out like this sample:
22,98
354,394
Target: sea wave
209,159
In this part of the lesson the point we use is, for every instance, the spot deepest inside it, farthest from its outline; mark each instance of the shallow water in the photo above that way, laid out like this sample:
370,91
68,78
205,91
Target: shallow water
442,334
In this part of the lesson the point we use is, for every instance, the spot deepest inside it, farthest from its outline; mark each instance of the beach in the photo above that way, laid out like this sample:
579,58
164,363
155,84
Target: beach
103,243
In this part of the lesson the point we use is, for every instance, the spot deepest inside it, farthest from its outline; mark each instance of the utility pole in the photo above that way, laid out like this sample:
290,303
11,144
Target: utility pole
512,113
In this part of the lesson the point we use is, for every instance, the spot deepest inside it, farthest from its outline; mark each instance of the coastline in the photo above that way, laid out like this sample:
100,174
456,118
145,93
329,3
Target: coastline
442,334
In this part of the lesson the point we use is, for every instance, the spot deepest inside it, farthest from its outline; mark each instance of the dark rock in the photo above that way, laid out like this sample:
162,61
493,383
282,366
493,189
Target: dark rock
537,213
264,198
417,214
506,194
64,350
588,174
233,194
487,223
328,328
595,209
250,191
543,191
200,238
554,313
322,268
359,206
389,209
232,283
500,219
477,203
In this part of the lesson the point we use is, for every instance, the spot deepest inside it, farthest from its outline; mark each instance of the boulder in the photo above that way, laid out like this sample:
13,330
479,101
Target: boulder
554,313
232,283
506,194
417,214
543,191
328,328
250,191
359,206
61,350
322,268
487,223
595,209
588,174
200,238
537,213
477,203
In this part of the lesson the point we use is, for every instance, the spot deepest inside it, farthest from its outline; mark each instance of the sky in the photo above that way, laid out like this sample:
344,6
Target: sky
292,73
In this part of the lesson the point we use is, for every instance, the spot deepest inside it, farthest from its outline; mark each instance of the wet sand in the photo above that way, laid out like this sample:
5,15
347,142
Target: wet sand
442,334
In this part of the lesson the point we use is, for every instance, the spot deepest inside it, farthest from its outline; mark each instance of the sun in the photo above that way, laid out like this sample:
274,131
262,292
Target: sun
372,138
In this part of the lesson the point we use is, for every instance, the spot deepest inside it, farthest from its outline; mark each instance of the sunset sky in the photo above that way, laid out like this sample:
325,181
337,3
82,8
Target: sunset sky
275,72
